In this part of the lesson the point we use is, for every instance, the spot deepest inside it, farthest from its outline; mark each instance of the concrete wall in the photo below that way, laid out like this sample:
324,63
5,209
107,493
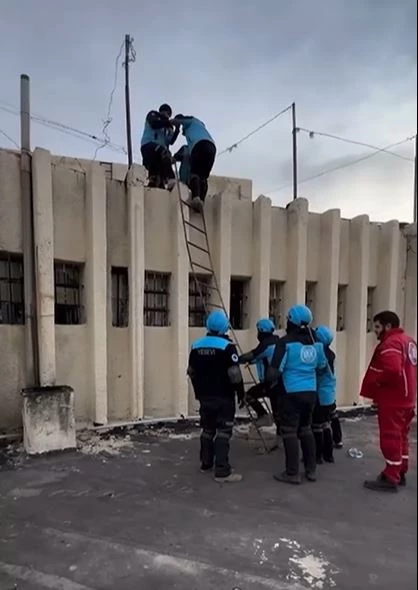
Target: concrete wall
97,216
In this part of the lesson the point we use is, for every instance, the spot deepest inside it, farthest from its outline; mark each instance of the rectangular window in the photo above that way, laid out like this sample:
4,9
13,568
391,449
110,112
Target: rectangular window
156,299
341,307
197,313
276,304
310,295
69,309
11,289
120,296
370,308
238,304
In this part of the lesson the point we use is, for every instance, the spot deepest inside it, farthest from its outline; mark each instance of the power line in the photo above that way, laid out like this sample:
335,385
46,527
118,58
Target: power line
256,130
346,165
9,138
109,119
352,141
63,128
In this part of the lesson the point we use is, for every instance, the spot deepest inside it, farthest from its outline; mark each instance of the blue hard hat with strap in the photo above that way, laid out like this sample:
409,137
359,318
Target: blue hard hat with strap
217,322
265,326
300,315
324,334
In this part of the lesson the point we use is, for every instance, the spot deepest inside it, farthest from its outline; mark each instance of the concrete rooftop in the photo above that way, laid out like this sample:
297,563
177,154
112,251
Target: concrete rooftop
135,514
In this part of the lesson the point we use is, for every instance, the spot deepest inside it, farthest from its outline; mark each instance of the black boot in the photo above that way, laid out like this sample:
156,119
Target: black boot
307,442
291,448
403,480
319,445
328,446
381,484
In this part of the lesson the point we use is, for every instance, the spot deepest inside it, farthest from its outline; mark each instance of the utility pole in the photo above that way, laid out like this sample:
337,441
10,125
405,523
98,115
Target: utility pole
128,42
415,182
31,340
295,152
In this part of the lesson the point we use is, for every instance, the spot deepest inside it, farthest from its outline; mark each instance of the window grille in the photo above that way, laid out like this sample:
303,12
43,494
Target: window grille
156,299
69,309
12,309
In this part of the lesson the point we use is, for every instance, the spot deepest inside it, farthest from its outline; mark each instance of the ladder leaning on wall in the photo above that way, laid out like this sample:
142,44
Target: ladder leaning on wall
196,268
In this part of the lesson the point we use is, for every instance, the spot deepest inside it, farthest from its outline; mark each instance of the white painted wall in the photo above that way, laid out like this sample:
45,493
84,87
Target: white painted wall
92,216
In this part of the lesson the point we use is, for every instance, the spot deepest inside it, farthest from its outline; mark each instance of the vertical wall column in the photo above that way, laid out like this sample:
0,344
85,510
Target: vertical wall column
96,289
329,266
179,310
43,223
261,240
388,267
410,314
297,242
136,200
221,245
357,306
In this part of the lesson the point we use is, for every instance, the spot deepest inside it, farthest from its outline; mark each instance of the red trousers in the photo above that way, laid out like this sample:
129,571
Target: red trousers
394,426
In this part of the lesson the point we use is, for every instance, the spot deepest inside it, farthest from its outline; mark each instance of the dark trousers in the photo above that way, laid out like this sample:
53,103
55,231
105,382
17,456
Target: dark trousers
337,433
217,421
259,391
324,442
296,411
157,160
202,159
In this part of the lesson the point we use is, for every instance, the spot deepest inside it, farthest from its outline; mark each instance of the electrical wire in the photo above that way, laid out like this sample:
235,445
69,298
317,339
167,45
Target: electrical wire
352,141
9,138
256,130
108,120
346,165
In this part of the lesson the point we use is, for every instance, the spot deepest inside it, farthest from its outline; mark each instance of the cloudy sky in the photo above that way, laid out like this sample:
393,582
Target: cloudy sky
350,66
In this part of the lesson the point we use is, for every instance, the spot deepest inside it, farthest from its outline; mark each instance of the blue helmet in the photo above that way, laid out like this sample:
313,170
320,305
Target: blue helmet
324,335
217,322
300,315
265,326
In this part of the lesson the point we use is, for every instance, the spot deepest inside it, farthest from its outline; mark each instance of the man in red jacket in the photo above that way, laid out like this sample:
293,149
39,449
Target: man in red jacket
391,382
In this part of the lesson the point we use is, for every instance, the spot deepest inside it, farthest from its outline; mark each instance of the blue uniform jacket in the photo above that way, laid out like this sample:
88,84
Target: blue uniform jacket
261,356
194,131
327,381
298,359
158,130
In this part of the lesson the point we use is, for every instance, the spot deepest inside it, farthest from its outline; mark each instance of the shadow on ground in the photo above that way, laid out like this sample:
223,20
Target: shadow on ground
131,511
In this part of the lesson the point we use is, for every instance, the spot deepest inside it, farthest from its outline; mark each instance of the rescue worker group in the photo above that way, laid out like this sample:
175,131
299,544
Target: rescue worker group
296,372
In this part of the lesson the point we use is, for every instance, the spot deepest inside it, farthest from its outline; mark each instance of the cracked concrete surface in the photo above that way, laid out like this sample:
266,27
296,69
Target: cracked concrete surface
144,517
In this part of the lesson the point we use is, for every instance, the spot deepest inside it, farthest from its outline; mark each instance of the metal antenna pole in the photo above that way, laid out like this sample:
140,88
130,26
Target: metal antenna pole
295,152
128,42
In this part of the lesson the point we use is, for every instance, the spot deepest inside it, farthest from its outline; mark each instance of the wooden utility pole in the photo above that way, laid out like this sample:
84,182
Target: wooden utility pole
295,152
31,340
128,42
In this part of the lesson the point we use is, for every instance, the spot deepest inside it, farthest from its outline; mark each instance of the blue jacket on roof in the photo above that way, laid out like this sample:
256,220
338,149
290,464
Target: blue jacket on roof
194,130
327,381
158,130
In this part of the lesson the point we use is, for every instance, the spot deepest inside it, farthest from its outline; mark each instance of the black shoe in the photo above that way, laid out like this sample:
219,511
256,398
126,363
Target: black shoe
329,459
310,476
381,484
339,445
286,478
319,461
403,480
205,468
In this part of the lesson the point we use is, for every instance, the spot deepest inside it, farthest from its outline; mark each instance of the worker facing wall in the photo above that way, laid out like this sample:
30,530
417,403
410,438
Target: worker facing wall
125,309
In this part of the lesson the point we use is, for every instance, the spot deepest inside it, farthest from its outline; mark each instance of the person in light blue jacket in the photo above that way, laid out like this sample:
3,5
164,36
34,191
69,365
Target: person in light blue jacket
202,153
158,135
327,387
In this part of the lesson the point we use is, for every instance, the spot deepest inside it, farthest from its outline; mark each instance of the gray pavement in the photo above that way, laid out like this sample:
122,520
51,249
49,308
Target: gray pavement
135,514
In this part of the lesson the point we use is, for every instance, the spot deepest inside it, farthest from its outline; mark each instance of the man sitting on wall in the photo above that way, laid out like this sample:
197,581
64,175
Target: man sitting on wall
158,135
391,382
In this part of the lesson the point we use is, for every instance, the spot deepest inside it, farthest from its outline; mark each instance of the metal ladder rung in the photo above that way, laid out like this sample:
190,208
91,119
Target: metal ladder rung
202,266
211,287
189,205
197,247
216,305
202,231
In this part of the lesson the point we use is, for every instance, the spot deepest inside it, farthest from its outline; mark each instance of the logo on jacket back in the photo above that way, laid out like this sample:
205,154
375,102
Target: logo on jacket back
412,353
308,355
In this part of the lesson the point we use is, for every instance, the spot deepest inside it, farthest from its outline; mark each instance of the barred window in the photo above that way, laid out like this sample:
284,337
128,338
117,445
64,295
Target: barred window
370,308
156,299
197,313
69,309
120,296
238,303
341,307
11,289
276,304
310,295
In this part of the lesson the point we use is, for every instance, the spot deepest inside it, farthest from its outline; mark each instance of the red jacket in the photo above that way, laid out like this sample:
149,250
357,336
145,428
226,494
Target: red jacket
391,378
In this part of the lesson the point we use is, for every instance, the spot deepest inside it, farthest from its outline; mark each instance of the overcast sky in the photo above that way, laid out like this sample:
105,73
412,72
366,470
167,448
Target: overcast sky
350,66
